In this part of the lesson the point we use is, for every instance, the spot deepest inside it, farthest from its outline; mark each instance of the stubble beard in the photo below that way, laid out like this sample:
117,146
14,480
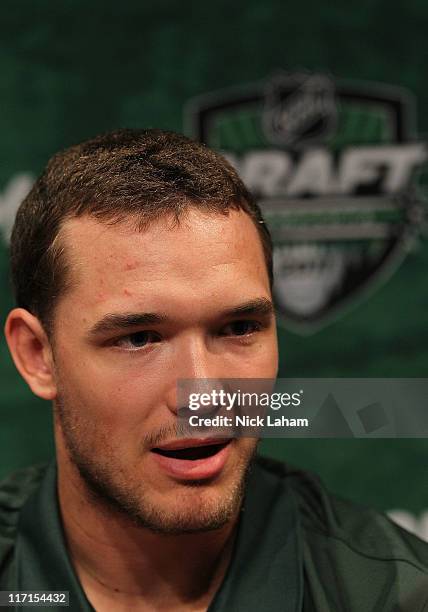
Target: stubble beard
112,488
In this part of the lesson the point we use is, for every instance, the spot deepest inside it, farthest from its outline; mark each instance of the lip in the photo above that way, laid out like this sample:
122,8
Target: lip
198,469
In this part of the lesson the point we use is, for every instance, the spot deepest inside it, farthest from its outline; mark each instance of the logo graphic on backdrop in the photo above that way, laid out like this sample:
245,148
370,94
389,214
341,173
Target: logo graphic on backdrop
334,167
10,198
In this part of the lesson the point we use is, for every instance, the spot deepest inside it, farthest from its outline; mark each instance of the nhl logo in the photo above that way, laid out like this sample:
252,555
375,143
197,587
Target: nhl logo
299,109
334,167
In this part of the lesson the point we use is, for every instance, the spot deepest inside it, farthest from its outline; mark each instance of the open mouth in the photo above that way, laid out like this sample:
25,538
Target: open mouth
192,453
193,458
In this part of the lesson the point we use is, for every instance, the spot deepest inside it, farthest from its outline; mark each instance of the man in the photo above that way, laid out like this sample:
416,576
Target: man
139,258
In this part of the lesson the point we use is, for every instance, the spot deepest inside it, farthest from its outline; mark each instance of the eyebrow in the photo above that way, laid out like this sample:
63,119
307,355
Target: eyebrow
117,321
120,321
259,306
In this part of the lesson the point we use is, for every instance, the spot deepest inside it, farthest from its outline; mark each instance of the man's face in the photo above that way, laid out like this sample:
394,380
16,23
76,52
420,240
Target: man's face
146,309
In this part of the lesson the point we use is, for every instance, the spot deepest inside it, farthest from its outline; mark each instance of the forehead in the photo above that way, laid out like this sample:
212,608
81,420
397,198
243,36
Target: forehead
204,252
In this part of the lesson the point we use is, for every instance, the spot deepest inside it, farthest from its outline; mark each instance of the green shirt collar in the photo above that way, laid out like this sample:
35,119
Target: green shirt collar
265,572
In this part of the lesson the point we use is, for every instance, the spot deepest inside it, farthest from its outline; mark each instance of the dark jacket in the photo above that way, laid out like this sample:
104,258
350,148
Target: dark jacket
298,548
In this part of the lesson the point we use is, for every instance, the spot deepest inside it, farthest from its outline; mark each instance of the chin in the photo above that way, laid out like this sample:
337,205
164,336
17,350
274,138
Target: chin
196,508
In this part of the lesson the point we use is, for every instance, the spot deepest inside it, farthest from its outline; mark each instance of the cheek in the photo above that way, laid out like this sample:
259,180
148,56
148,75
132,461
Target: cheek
112,396
268,365
263,361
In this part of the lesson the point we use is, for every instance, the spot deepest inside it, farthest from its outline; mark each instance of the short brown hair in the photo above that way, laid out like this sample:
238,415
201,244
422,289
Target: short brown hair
143,174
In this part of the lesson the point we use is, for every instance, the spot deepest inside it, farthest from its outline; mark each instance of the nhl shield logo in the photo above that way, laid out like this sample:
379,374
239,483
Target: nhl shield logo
333,166
299,109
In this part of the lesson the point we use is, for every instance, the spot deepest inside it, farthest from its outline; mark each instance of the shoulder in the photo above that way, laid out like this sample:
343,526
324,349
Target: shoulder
15,489
351,550
324,514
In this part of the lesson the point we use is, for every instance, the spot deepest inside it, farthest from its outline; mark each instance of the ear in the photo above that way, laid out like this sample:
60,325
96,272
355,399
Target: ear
31,352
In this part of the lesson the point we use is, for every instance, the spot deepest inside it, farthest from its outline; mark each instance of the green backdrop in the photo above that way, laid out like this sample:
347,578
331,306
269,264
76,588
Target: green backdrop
71,69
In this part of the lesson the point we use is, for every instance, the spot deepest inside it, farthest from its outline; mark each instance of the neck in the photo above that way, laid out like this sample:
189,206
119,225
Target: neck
118,561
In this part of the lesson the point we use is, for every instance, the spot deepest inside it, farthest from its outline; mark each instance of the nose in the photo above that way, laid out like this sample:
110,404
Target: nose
195,369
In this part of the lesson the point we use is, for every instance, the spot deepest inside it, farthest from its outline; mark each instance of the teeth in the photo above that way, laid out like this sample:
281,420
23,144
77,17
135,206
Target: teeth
191,454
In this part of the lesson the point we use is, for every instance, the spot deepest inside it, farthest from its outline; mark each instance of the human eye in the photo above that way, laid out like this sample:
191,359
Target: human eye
241,328
137,340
